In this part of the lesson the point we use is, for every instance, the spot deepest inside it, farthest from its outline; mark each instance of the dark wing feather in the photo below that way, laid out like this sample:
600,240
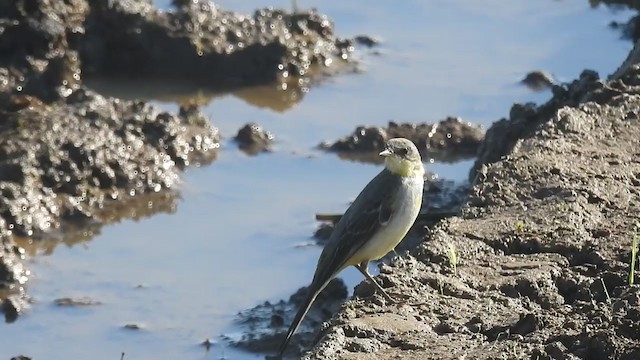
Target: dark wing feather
371,210
384,213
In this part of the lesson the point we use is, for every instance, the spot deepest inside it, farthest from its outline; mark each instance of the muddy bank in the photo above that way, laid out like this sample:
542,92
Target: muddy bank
65,161
543,246
69,165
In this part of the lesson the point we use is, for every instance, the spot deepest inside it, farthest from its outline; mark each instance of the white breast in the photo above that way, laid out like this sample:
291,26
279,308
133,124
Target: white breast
407,207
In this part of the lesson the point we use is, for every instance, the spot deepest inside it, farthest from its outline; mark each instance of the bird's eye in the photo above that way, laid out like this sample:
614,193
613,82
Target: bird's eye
402,151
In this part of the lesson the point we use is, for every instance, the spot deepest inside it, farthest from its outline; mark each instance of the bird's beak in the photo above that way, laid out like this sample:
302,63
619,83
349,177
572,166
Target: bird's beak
385,153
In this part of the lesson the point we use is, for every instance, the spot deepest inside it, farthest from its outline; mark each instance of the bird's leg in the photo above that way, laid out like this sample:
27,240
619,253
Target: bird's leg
364,269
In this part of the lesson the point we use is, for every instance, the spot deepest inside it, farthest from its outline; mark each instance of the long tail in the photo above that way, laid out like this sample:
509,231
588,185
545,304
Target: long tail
314,290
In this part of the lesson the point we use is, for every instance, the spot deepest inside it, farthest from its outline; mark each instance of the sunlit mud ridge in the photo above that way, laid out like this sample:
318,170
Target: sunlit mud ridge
199,41
69,157
538,264
448,140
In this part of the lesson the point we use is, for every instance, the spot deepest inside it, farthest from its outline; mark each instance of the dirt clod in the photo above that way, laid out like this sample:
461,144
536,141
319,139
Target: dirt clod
366,40
538,80
11,307
253,139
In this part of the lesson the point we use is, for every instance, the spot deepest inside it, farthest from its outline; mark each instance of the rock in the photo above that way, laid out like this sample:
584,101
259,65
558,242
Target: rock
253,139
366,40
20,357
538,80
11,307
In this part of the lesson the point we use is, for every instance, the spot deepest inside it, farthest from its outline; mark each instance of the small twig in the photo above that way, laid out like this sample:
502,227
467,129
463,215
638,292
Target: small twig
634,253
606,292
328,217
453,258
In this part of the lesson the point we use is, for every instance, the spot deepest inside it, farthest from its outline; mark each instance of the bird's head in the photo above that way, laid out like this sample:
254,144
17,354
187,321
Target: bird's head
402,157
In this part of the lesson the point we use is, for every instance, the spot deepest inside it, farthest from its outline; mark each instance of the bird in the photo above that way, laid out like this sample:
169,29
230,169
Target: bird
374,224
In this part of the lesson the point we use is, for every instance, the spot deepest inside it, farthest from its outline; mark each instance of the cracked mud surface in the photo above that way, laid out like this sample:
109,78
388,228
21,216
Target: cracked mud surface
547,228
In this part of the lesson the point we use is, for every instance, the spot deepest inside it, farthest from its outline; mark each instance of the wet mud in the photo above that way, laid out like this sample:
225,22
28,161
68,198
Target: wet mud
66,165
260,320
200,41
71,159
448,140
537,265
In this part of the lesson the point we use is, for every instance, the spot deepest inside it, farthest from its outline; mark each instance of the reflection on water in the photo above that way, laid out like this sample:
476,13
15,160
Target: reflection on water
77,231
271,97
278,97
229,241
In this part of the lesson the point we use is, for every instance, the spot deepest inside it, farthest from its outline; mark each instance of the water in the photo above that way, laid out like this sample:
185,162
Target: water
233,240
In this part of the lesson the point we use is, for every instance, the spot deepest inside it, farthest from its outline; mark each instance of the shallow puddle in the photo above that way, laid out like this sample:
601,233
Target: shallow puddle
238,234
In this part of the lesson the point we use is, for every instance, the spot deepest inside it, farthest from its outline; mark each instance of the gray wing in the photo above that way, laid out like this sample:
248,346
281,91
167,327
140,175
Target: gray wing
371,210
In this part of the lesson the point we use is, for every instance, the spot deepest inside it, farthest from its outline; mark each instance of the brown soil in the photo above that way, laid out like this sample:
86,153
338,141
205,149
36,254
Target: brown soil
543,246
